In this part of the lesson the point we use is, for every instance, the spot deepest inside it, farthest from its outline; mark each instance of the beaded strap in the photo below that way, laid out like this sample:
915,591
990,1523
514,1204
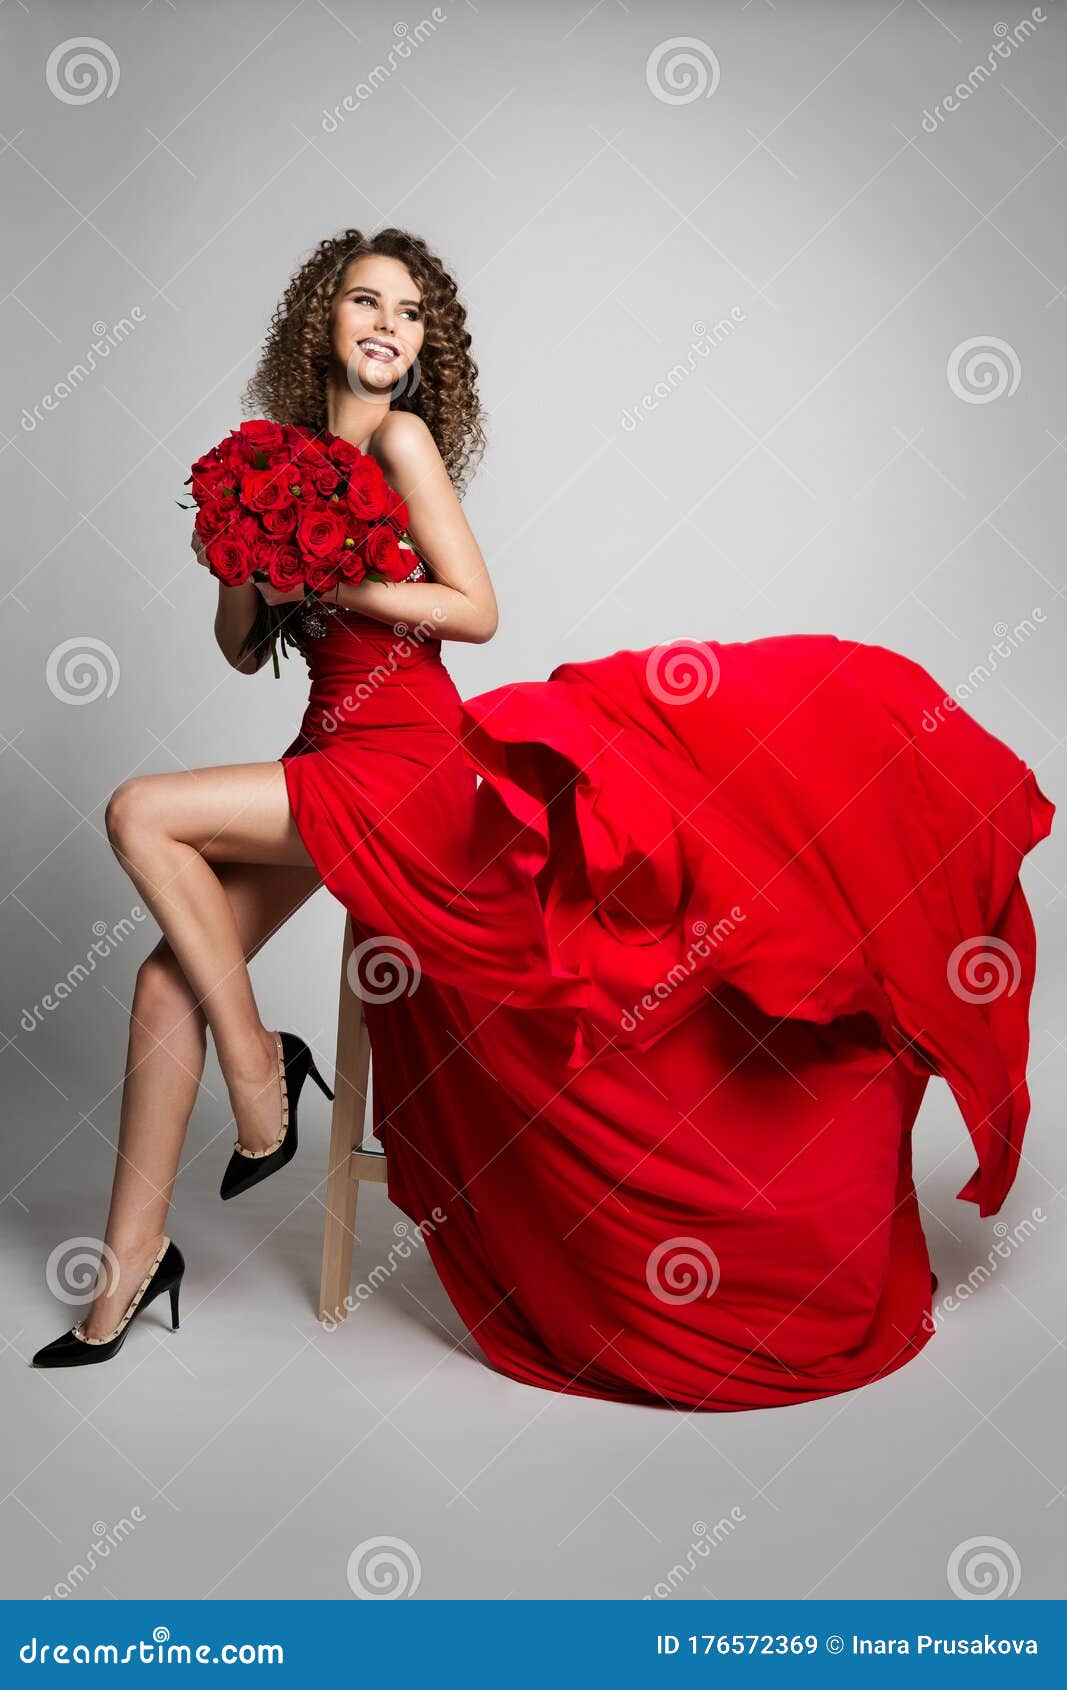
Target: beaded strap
77,1328
253,1155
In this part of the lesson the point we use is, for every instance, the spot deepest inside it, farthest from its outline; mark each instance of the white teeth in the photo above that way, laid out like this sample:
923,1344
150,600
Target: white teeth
379,346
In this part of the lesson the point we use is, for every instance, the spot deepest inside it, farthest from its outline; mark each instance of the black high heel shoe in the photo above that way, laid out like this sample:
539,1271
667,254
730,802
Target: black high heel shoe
247,1168
74,1349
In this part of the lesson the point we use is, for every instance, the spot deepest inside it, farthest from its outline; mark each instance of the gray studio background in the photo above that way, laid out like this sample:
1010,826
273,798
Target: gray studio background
836,457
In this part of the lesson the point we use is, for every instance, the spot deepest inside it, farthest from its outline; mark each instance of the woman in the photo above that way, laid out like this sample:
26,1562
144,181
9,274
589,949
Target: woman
677,937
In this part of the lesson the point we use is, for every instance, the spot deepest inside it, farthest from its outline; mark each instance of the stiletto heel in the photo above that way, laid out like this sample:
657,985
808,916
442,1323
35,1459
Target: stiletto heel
74,1349
247,1168
318,1079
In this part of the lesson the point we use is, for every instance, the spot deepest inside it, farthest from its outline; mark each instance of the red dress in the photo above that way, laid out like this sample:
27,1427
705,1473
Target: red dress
674,952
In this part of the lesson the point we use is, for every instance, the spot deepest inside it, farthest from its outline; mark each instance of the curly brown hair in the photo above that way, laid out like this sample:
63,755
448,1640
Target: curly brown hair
289,384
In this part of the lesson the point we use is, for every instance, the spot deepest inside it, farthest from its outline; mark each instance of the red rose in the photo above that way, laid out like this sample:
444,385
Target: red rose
321,533
352,563
396,511
382,552
261,434
264,489
280,524
284,566
343,452
212,481
210,521
230,559
321,575
368,490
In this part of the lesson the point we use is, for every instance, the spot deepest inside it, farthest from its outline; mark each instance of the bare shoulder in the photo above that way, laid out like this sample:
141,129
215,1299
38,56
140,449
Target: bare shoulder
403,445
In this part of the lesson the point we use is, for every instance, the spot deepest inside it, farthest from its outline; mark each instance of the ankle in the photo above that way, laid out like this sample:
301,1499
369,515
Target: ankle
256,1064
127,1246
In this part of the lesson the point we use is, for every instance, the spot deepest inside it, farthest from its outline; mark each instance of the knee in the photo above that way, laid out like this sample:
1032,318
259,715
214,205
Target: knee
163,996
128,813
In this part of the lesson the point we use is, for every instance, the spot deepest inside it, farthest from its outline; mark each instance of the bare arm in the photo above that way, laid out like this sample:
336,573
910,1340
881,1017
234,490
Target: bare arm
234,615
460,599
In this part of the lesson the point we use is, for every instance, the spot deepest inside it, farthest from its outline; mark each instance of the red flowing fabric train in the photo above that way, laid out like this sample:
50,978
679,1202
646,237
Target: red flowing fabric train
678,938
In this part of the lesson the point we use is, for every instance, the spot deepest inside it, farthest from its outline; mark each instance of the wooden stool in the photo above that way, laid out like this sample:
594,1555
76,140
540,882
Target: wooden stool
349,1161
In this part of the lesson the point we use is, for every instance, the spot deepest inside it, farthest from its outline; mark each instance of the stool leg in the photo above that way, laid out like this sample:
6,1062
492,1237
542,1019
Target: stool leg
352,1070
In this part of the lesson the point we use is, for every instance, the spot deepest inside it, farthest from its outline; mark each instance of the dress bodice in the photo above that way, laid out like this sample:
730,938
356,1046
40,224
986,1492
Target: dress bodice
367,674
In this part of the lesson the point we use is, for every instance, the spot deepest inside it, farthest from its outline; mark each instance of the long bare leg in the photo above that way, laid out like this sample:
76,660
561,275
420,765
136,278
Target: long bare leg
162,828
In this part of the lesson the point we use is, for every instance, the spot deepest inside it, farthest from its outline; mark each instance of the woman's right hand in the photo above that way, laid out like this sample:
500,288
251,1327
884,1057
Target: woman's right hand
198,547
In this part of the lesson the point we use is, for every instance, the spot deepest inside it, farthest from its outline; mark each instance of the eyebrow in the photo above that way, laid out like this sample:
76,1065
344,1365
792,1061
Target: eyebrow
362,288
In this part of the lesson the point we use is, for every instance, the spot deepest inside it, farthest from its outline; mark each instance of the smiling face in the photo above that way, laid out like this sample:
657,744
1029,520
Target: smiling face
377,323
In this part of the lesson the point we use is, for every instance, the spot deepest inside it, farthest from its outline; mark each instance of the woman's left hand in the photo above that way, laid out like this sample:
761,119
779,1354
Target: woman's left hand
271,595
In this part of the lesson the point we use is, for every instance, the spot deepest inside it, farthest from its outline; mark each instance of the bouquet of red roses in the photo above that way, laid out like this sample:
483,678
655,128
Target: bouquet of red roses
291,506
